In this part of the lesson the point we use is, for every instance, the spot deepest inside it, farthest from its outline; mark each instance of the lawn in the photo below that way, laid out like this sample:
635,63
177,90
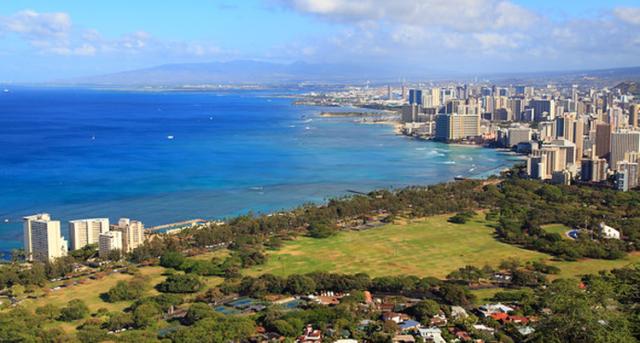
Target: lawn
557,228
591,266
428,247
484,296
90,291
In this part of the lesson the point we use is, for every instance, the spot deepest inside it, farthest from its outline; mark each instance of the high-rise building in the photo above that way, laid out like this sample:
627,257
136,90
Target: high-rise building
622,143
515,105
410,113
86,231
519,90
545,161
453,126
603,140
631,171
42,239
634,110
436,97
593,170
542,108
132,233
415,97
551,158
108,241
518,135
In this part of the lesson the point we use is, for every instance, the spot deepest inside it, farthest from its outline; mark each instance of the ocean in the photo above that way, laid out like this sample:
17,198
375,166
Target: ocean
164,157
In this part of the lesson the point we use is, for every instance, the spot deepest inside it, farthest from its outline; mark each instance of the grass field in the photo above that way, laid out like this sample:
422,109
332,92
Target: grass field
90,291
591,266
429,247
557,228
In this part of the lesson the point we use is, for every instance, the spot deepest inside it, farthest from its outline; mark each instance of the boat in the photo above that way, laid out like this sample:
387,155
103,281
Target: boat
6,90
170,137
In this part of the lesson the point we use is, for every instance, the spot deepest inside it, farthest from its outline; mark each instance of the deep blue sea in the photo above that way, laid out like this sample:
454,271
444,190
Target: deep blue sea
79,153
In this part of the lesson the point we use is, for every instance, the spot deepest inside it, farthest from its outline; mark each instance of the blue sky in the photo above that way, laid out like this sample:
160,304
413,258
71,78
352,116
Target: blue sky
45,40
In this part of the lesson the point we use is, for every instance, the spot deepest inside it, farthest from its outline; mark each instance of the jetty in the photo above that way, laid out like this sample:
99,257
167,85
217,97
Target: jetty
174,226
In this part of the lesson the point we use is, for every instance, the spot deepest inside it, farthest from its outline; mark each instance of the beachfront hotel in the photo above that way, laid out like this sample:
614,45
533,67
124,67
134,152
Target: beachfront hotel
42,239
83,232
132,233
109,241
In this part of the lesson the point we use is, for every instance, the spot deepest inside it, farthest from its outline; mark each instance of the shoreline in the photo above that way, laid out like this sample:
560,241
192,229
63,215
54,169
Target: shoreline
66,212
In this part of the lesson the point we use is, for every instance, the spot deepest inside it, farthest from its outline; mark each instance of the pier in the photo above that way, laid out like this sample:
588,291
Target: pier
177,225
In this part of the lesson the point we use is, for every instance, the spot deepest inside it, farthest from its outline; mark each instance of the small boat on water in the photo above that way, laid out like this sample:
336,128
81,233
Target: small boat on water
170,137
5,90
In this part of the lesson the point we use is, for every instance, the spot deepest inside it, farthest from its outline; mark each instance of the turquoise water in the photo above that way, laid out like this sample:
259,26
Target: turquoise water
85,153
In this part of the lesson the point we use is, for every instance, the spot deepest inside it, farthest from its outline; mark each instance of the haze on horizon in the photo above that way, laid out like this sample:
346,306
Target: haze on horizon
47,40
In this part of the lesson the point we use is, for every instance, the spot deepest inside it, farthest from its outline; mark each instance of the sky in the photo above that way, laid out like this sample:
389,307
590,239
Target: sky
44,40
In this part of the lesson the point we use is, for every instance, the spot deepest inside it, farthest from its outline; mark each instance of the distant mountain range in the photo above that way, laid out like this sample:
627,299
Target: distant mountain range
629,87
239,72
257,72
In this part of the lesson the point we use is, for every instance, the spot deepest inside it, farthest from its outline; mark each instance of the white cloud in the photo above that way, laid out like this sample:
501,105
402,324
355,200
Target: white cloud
37,26
472,33
53,33
630,15
461,15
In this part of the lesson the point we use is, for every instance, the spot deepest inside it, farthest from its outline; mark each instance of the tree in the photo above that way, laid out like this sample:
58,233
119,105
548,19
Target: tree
322,230
172,259
455,294
124,290
424,310
578,317
119,321
91,333
218,329
75,309
470,274
197,312
462,217
48,311
146,315
180,283
284,328
300,284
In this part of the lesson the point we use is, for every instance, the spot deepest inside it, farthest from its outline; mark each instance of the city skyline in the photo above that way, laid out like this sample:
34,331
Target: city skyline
64,39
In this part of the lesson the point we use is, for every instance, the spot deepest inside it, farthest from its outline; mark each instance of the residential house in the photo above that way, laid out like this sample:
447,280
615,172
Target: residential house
489,309
431,335
310,335
409,325
439,320
457,312
608,232
395,317
403,339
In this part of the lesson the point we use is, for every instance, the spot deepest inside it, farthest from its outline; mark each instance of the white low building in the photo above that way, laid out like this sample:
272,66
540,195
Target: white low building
432,335
609,232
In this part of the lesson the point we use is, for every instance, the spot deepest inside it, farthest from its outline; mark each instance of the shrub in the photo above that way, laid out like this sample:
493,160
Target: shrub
180,283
